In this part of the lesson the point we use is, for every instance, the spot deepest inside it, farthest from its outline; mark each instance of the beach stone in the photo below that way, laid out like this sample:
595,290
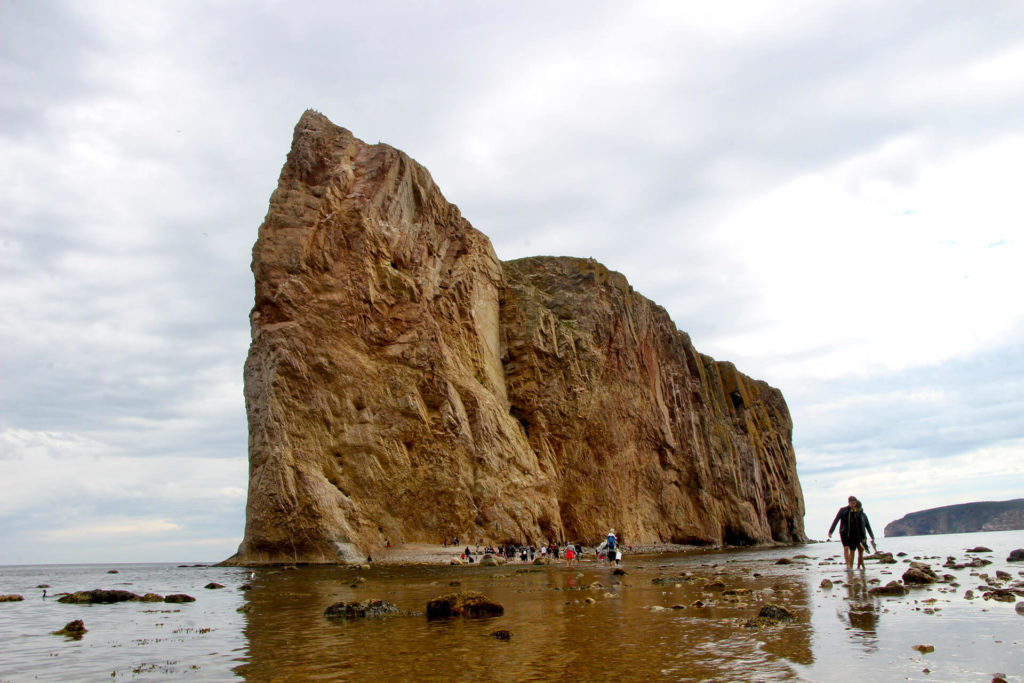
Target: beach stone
618,571
1003,576
113,571
589,601
359,610
501,634
1016,555
924,649
179,597
893,588
979,549
826,584
245,587
771,615
11,597
213,585
783,560
72,629
244,608
919,573
43,585
99,596
491,560
463,604
1000,595
152,597
455,561
882,558
1019,608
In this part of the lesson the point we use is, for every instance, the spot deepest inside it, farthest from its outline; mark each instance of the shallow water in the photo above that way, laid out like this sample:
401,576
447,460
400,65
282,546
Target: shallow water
629,633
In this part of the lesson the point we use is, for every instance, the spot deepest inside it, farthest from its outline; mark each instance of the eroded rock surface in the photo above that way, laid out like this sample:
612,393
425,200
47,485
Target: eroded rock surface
403,382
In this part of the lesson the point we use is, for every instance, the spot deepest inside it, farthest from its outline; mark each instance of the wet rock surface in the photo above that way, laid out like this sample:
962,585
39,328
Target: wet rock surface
11,597
361,610
73,629
468,604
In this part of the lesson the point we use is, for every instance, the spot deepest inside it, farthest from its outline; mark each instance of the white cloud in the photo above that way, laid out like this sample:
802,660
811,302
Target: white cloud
822,192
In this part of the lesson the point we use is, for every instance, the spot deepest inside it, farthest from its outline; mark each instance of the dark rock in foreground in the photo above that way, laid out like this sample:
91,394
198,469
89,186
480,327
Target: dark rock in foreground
771,615
1016,555
179,597
920,574
464,604
360,610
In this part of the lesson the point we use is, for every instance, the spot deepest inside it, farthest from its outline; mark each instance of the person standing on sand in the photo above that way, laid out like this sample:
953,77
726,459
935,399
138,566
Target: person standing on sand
854,528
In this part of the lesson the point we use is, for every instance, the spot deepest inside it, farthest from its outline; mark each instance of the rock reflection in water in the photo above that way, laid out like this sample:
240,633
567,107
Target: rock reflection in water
629,632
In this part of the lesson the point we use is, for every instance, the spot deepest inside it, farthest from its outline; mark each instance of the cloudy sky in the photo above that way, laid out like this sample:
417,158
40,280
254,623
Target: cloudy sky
826,193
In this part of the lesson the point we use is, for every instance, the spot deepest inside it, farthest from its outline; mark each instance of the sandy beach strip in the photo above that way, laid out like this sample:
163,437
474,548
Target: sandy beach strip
433,553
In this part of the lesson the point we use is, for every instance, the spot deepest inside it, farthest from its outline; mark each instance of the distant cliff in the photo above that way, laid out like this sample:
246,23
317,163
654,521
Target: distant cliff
959,519
404,382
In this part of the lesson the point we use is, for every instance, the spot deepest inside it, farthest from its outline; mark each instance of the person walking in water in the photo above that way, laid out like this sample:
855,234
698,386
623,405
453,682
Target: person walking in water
611,545
854,529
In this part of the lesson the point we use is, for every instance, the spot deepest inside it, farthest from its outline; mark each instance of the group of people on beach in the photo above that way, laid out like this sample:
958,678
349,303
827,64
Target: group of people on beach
609,551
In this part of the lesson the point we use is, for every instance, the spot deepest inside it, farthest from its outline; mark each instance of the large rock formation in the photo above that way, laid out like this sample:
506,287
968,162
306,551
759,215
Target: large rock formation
959,519
403,382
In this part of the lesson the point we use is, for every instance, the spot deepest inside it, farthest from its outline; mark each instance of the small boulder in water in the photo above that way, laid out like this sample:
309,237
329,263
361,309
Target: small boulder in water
11,597
213,585
979,549
358,610
893,588
99,596
826,584
179,597
924,649
1016,555
464,604
919,573
72,629
771,615
501,634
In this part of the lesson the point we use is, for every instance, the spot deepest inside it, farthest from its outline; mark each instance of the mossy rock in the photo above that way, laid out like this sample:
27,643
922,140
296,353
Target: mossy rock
464,604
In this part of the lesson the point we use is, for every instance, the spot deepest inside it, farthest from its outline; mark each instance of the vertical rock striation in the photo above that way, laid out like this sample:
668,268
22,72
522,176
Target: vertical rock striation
403,382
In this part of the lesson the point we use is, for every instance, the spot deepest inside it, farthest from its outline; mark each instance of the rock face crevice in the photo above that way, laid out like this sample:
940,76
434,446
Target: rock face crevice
403,382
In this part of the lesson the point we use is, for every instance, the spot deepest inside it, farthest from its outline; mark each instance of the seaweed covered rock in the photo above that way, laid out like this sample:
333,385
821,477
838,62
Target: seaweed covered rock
99,596
73,629
361,610
464,604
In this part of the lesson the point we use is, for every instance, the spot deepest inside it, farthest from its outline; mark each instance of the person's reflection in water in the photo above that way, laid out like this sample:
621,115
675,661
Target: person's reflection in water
862,611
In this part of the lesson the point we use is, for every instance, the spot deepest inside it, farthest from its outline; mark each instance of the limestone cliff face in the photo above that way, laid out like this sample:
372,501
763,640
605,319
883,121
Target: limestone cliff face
403,382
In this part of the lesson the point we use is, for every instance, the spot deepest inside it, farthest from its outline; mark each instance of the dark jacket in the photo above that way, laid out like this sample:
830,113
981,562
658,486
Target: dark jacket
854,526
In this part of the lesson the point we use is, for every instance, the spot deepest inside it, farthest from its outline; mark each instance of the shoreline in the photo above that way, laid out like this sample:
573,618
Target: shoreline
432,554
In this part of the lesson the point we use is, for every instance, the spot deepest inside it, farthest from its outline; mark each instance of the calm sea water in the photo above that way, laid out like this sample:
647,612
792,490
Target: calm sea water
630,632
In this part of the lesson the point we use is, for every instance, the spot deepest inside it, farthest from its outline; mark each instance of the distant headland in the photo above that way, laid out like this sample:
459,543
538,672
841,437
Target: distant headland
959,519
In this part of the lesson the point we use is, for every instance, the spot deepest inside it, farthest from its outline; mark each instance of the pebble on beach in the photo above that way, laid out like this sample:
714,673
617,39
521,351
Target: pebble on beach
924,649
11,597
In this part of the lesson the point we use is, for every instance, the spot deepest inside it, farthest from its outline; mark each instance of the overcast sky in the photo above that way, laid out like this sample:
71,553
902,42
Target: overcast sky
826,193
